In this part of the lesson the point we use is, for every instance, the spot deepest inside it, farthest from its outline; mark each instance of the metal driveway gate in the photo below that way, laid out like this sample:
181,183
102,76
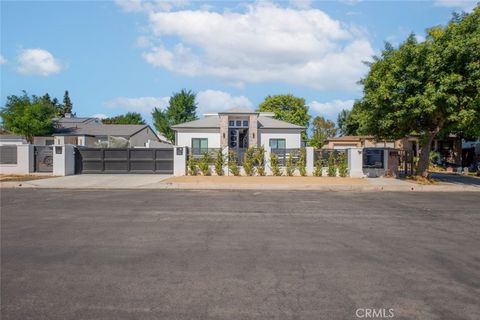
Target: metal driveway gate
125,160
43,158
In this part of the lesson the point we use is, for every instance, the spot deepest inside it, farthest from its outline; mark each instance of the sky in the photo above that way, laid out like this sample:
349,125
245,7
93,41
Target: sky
119,56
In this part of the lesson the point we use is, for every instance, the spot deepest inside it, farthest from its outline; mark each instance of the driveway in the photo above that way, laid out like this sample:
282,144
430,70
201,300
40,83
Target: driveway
107,181
176,254
456,179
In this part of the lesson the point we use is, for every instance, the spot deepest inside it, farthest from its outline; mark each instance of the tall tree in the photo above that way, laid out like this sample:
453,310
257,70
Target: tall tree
181,108
322,130
288,108
128,118
28,116
429,88
67,104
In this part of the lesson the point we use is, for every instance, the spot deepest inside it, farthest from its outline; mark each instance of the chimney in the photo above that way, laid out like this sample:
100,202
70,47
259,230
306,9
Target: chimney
67,115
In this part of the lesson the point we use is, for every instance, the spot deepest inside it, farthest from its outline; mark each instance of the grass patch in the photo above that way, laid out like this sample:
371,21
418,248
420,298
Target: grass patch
15,177
422,180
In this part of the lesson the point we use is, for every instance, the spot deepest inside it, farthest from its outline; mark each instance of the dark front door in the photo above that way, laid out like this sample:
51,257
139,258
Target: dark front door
43,159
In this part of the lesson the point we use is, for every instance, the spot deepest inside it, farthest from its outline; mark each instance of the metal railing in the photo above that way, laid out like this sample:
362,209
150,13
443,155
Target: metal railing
323,154
284,153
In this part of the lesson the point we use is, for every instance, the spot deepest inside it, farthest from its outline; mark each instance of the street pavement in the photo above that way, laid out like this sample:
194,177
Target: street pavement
177,254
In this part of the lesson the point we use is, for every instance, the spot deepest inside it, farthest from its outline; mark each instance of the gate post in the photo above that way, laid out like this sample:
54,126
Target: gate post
268,168
180,161
355,162
309,160
63,160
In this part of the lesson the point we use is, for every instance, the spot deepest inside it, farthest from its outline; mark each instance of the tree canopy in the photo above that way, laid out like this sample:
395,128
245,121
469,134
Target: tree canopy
128,118
29,116
427,88
181,108
288,108
322,130
67,103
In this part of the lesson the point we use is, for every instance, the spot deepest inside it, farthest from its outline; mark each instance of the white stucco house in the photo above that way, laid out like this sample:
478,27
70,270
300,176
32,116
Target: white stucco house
237,129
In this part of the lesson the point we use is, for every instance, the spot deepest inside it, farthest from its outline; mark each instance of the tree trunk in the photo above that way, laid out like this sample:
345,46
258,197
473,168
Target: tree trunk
424,154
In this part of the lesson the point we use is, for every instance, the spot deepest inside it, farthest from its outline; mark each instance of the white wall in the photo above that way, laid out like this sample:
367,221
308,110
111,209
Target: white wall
63,162
292,139
184,139
25,158
355,162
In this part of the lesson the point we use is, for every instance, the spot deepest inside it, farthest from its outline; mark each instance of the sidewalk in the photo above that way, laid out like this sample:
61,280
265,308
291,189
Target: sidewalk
154,181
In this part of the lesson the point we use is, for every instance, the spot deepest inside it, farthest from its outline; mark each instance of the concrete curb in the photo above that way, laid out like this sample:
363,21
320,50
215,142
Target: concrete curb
323,188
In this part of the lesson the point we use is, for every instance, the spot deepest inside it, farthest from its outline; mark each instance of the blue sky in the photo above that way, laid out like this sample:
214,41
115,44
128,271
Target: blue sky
119,56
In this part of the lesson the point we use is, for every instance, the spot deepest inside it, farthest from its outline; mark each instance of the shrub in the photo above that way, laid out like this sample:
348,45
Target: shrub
301,163
318,168
260,161
342,164
192,166
204,164
332,168
232,163
274,164
290,167
219,163
249,162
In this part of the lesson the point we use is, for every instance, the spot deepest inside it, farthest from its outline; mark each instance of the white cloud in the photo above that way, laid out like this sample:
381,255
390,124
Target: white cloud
330,109
207,101
214,101
2,60
264,43
37,62
465,5
141,104
99,115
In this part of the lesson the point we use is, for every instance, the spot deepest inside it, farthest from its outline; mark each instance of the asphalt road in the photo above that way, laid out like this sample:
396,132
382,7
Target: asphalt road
172,254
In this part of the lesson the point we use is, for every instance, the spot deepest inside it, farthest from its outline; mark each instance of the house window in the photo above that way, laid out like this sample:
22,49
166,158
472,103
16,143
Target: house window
199,145
245,123
49,142
277,143
238,123
231,123
373,158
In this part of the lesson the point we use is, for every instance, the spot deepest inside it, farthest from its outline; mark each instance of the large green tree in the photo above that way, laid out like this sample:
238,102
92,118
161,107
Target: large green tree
29,116
181,108
288,108
429,88
322,130
128,118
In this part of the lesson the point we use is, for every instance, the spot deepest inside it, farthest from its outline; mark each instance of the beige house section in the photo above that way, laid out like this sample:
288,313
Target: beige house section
253,130
223,131
358,142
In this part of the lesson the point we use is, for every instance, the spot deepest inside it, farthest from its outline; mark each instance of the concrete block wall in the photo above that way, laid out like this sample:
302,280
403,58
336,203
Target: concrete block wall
25,161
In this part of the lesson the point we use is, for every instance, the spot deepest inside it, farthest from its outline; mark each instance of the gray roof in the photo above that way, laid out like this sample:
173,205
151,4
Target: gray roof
207,122
271,123
11,137
214,122
126,130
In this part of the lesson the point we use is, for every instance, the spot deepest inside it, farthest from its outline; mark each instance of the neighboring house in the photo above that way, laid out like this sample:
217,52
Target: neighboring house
346,142
10,139
90,132
449,148
238,129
